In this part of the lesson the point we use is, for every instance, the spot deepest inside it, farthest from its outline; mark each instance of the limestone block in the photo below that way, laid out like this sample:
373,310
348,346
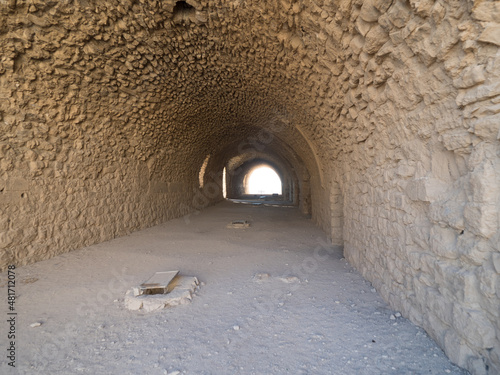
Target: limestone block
462,284
478,365
487,127
421,235
443,242
369,12
425,189
385,50
481,219
450,211
483,184
486,11
356,44
491,34
375,39
470,77
495,258
414,258
422,7
456,140
399,13
482,110
435,327
474,327
362,26
439,305
478,92
353,112
385,23
498,289
456,348
426,44
488,278
382,5
473,251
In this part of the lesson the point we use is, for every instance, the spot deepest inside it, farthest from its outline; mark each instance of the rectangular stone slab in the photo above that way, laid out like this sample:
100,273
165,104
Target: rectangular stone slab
239,224
160,280
183,289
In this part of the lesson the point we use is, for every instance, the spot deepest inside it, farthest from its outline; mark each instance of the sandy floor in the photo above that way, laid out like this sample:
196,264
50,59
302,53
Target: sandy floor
275,301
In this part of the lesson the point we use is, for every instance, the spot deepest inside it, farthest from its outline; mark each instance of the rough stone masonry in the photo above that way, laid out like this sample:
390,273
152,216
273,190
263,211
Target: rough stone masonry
384,116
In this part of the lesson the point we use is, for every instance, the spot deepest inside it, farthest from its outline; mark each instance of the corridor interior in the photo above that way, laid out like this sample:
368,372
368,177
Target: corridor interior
381,119
275,298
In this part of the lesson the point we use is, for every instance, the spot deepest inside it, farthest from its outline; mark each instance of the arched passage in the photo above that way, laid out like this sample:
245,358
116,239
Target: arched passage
266,146
293,190
240,175
109,110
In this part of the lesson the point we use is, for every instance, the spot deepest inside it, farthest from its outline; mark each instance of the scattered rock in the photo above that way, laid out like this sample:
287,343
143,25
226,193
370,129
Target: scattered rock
289,279
261,277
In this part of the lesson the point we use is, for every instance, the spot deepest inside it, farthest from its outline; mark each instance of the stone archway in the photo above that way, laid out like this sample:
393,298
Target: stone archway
108,110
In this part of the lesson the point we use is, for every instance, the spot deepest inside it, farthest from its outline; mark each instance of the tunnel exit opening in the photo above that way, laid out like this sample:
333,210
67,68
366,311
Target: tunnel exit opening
262,180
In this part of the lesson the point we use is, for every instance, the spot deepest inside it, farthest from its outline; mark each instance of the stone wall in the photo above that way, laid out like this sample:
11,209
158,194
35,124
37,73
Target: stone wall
420,167
386,114
85,153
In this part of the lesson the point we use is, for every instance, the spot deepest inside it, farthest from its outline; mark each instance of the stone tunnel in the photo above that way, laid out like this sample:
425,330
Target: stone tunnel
380,116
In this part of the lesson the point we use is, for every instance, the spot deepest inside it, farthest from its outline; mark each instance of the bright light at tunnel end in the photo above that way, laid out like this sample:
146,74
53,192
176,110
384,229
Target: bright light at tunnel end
263,181
224,179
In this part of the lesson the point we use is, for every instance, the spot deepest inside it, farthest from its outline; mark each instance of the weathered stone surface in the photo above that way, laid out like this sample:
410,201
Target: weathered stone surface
477,93
488,11
491,34
182,292
481,219
475,327
369,12
456,348
443,242
496,261
425,189
487,128
381,115
375,39
470,77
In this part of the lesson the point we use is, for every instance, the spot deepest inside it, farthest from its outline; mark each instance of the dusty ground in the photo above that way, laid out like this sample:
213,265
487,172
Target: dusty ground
275,301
